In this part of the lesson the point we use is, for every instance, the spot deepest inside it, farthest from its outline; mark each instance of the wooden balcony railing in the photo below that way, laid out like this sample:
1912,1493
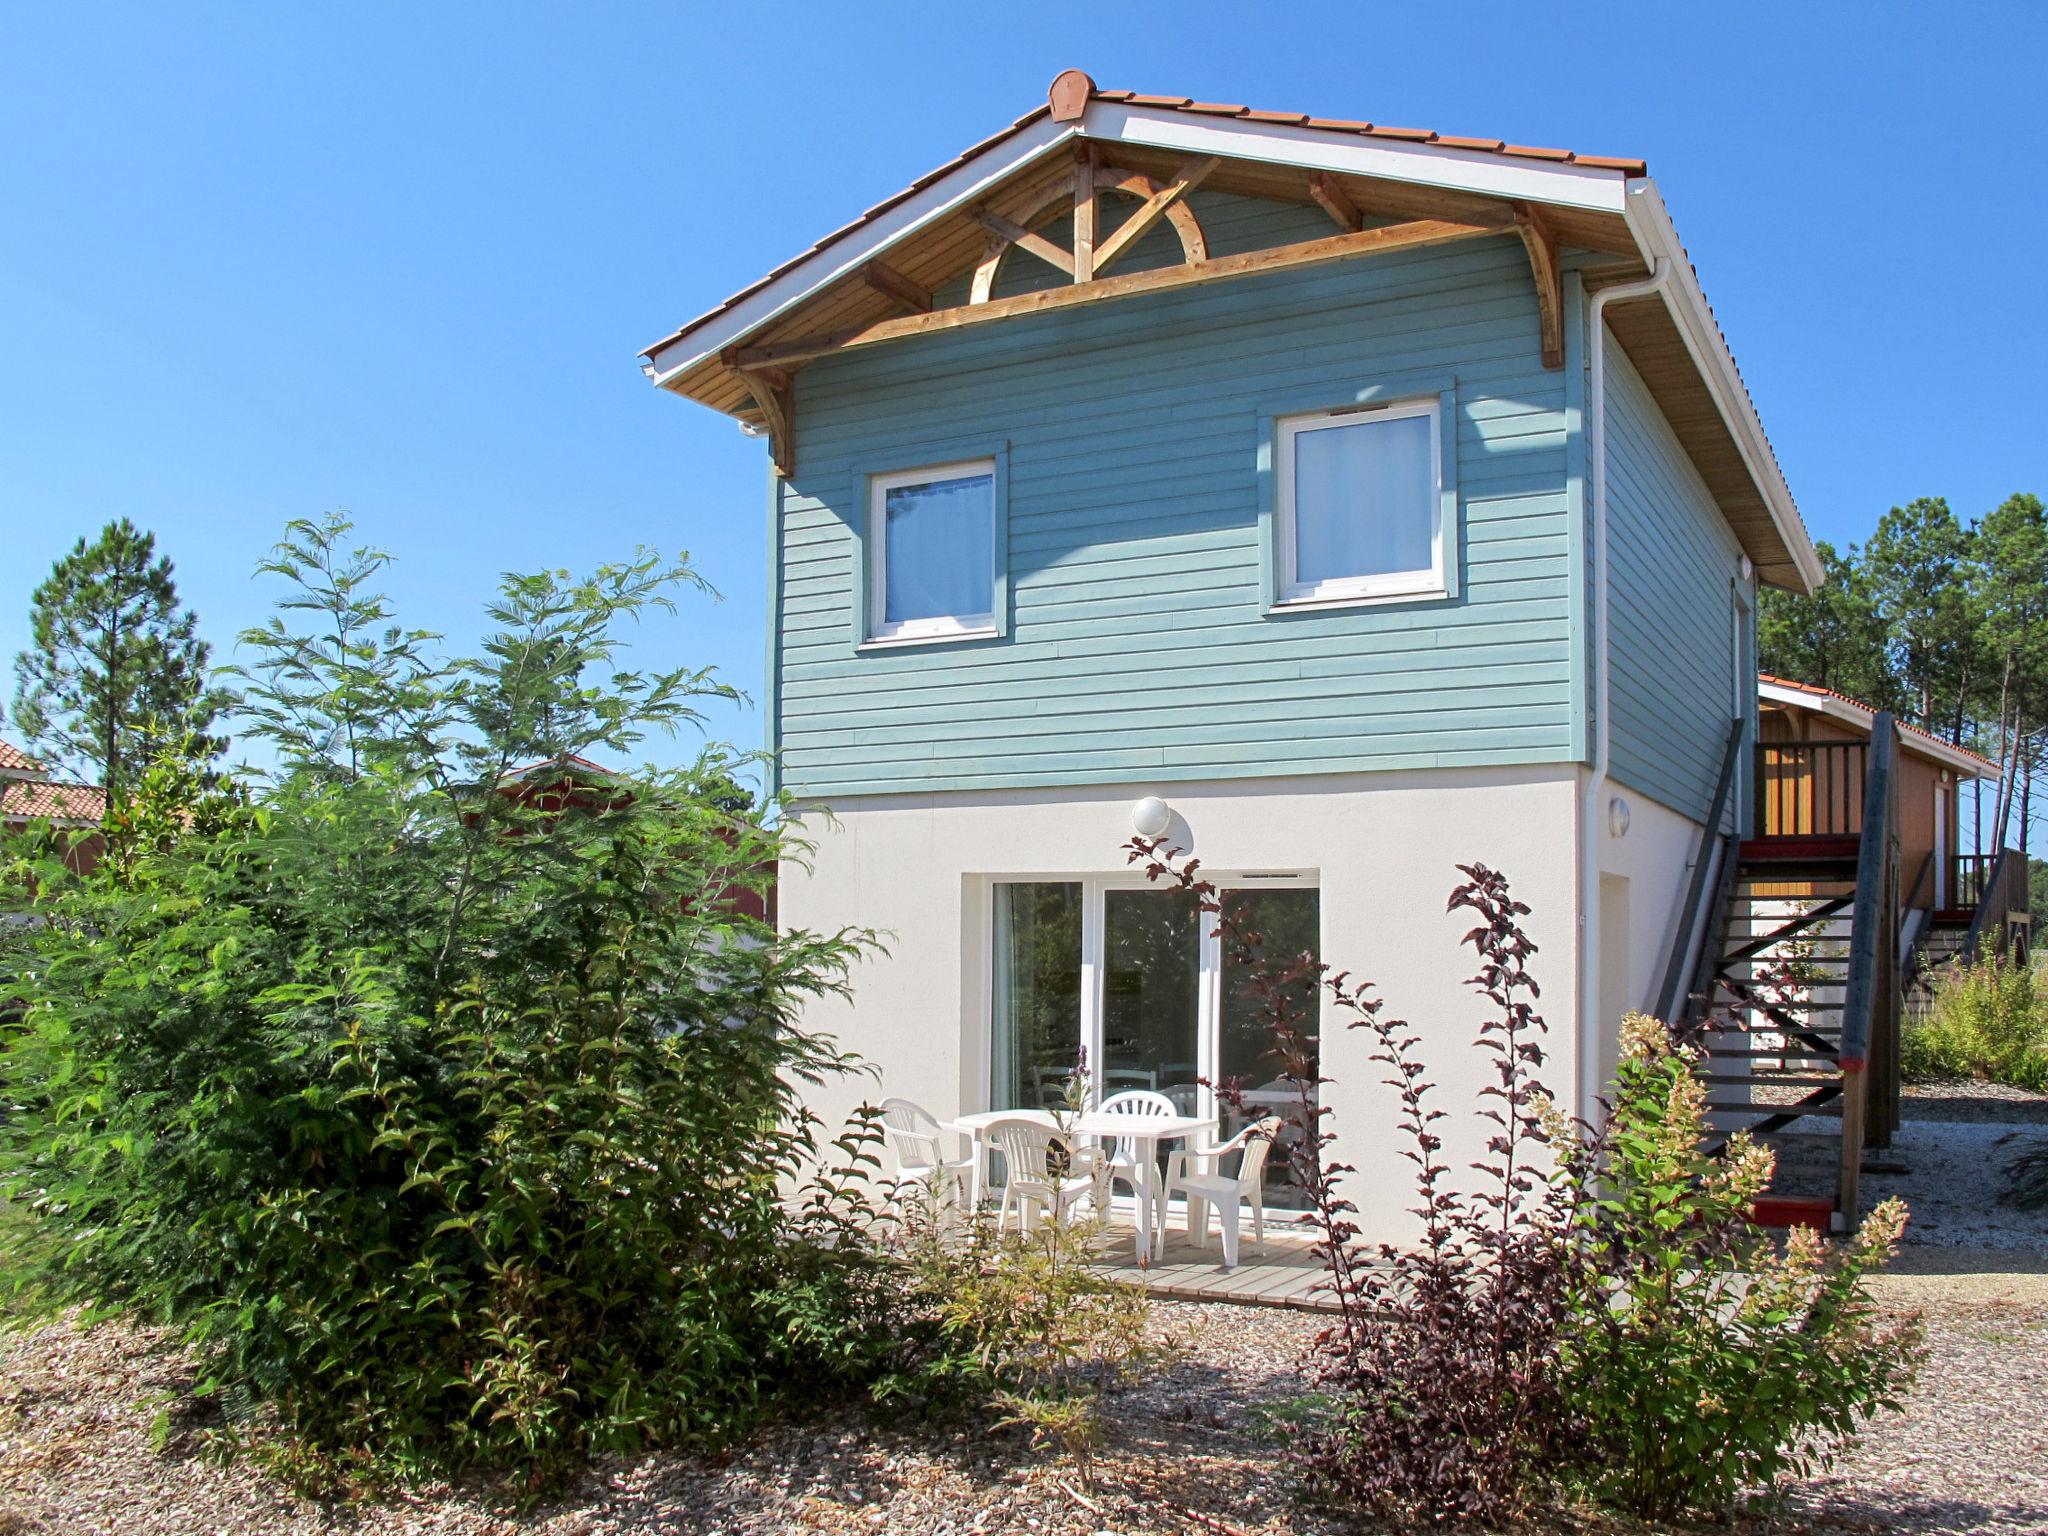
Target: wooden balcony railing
1811,788
1970,876
1994,887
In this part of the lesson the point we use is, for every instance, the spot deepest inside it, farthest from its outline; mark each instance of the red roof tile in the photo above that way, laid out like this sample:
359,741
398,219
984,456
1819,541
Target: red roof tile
1905,725
1170,103
31,799
12,758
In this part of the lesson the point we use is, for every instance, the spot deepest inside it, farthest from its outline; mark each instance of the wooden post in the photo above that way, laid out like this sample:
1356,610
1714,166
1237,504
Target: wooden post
1084,213
1855,1099
1873,950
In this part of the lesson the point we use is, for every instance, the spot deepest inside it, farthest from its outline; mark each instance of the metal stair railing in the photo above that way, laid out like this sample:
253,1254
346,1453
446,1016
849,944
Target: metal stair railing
1670,1003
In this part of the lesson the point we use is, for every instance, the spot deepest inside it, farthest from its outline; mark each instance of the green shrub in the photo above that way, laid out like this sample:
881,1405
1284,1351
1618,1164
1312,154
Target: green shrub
452,1125
1704,1362
1988,1020
1026,1323
1595,1310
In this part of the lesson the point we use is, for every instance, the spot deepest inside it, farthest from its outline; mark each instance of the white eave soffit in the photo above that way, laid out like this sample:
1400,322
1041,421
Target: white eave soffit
1474,171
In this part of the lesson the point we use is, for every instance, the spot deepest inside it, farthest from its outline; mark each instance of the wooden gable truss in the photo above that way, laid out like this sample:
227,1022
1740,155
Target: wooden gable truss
1368,220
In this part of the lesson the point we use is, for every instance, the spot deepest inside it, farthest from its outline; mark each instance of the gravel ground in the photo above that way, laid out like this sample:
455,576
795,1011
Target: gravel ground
1968,1099
1198,1451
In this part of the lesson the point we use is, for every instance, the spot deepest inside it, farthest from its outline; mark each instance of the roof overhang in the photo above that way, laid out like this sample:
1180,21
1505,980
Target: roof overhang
1862,717
1603,205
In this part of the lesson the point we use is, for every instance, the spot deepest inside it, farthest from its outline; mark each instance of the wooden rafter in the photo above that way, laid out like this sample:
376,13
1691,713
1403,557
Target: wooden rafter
1335,201
1389,237
1154,208
1105,178
1541,245
883,278
775,393
1025,240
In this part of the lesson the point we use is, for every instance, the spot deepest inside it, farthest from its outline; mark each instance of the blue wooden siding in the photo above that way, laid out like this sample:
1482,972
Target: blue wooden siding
1140,649
1672,562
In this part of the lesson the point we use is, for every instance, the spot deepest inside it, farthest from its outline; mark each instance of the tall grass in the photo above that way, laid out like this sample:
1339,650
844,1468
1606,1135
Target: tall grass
1989,1020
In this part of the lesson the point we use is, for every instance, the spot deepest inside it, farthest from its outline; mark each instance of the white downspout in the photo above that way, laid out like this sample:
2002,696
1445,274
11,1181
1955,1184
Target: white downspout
1593,821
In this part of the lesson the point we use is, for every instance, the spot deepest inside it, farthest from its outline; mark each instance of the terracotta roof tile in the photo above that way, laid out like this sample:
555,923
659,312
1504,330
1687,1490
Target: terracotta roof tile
13,757
1171,103
1905,725
30,799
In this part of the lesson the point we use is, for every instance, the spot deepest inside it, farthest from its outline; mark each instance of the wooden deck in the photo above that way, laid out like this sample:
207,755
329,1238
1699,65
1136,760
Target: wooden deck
1285,1275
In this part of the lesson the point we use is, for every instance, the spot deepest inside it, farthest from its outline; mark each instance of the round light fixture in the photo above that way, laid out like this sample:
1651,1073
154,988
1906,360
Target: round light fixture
1151,816
1617,816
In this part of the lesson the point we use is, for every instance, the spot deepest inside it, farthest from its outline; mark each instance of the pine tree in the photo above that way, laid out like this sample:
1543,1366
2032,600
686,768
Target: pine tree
1833,638
1919,567
115,666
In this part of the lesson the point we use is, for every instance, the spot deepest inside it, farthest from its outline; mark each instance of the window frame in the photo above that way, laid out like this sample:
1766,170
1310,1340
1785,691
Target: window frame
873,629
1430,581
1095,889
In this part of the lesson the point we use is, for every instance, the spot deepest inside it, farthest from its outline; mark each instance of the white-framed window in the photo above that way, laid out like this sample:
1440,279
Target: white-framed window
1359,503
1130,984
932,552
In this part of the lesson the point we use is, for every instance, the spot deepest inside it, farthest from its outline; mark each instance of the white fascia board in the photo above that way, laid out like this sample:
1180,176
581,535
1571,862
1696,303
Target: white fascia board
1320,149
1856,716
967,184
1657,237
1474,171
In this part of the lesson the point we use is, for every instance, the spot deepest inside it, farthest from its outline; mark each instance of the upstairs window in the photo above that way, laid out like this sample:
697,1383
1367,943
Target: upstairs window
1360,506
931,537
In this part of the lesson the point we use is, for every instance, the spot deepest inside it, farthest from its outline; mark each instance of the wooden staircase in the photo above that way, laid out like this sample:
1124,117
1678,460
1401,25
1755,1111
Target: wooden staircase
1794,983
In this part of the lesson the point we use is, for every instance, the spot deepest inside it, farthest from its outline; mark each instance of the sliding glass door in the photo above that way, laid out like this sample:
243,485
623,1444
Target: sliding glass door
1037,992
1133,981
1151,994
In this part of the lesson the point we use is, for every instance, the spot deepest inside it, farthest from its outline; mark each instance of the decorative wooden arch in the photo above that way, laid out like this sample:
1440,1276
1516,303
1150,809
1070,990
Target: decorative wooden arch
1156,200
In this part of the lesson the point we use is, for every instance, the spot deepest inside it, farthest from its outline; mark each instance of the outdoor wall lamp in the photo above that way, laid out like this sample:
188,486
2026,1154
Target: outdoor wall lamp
1617,816
1151,816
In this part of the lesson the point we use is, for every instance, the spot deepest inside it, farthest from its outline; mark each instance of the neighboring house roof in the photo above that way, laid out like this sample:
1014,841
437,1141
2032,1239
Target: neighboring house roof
1859,715
38,799
562,764
28,793
930,233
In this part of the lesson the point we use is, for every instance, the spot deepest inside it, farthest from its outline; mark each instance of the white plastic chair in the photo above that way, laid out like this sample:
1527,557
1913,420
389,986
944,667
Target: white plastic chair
1120,1159
1029,1180
921,1162
1199,1176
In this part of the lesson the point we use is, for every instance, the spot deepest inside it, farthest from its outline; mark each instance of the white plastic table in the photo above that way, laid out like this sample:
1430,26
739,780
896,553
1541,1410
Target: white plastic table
1145,1133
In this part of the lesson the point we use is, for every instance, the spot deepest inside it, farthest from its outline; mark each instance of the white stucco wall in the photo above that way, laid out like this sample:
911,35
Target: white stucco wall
1382,846
1655,859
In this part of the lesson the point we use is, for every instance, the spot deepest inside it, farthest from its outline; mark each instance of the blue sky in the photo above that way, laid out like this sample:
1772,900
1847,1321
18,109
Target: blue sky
259,262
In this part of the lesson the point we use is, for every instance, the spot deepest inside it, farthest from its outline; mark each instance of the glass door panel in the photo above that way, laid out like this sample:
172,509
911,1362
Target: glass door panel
1151,994
1037,991
1283,922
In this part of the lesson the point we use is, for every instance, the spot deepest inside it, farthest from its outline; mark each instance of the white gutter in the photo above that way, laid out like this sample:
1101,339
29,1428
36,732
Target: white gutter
1593,821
